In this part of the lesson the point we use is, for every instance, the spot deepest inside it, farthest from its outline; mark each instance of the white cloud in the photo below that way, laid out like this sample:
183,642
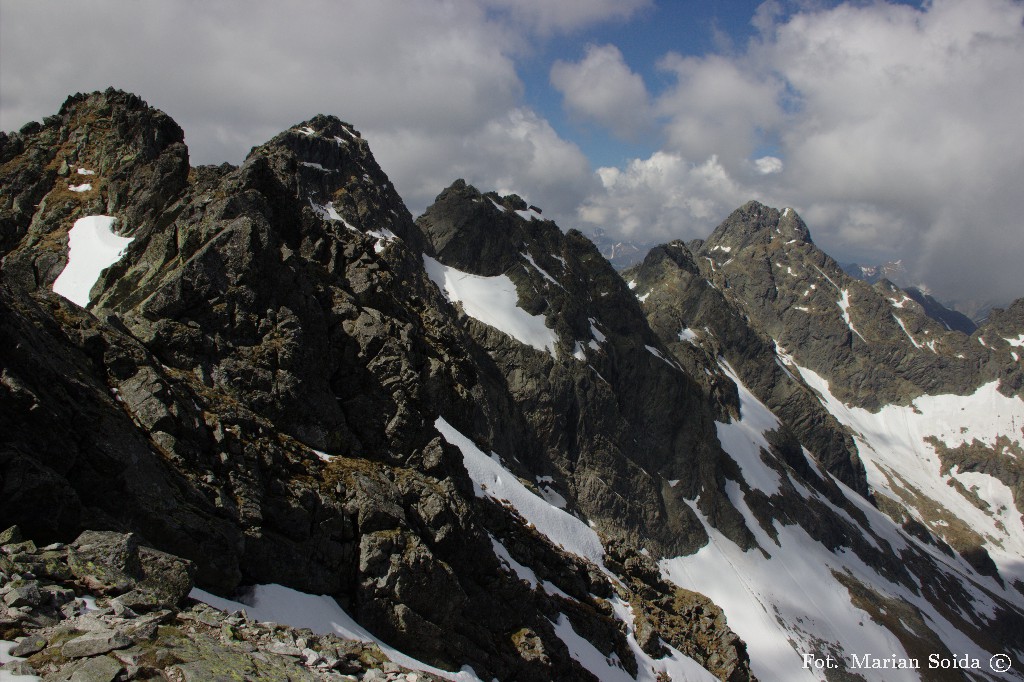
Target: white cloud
914,113
436,67
602,88
718,105
663,197
517,151
548,16
766,165
432,85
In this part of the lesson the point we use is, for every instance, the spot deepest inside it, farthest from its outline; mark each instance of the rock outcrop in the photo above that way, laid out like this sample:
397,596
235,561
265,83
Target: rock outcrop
107,608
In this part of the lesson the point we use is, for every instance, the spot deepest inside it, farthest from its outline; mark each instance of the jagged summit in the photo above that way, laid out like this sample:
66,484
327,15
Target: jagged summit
755,223
481,233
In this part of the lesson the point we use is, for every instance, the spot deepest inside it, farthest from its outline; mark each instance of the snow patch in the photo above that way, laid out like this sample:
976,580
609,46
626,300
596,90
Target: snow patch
688,335
743,440
658,354
844,305
493,301
383,236
5,657
80,188
92,248
328,212
317,166
904,328
542,271
891,443
1017,342
491,479
529,214
787,603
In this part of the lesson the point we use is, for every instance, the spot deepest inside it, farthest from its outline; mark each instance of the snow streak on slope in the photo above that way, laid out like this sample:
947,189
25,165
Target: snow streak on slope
783,606
493,301
744,439
844,306
678,666
493,480
92,247
892,446
321,614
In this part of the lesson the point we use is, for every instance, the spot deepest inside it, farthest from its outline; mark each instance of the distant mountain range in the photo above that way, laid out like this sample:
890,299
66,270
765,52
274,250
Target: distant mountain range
466,443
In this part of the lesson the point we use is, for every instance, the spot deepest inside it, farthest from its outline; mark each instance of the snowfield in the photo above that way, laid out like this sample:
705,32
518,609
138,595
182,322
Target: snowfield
493,301
892,445
92,248
491,479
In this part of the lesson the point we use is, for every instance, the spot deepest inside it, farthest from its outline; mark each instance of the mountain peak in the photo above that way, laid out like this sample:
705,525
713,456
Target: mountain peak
477,232
756,223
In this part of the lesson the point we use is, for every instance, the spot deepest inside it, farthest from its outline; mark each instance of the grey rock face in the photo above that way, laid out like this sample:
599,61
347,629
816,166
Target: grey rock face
875,345
94,643
178,640
698,323
614,448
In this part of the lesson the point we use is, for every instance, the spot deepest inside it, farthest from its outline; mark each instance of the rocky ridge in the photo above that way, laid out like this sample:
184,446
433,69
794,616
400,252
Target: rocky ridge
254,387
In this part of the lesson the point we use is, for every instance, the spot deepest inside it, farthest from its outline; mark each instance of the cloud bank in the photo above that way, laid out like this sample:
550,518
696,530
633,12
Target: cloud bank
433,85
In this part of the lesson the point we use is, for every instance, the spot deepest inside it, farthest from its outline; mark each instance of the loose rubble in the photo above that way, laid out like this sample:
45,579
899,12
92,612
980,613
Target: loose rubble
106,609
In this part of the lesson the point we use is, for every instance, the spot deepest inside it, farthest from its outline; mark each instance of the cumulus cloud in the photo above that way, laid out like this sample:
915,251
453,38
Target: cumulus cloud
915,114
718,105
265,64
603,89
766,165
516,152
663,197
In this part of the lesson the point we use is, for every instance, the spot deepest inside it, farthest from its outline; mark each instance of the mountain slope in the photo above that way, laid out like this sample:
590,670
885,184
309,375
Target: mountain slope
833,340
268,382
473,435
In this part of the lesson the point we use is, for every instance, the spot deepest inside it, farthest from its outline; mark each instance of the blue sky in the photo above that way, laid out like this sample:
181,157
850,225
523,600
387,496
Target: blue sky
690,28
893,128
